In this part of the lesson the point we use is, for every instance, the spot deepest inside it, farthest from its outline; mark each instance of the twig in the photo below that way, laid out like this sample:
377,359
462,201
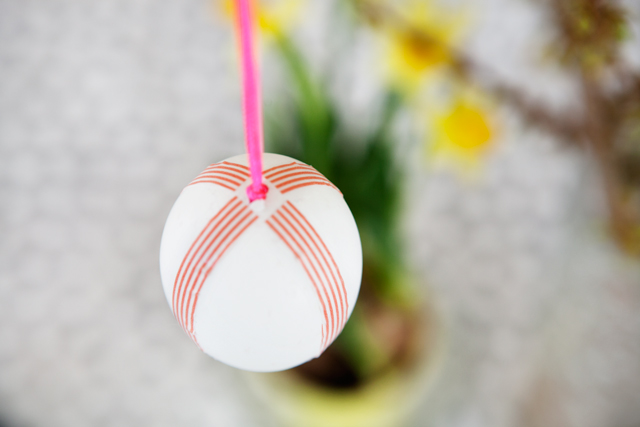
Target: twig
567,129
601,128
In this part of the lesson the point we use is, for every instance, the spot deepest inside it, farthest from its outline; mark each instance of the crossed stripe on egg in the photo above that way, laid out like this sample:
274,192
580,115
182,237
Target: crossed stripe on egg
291,226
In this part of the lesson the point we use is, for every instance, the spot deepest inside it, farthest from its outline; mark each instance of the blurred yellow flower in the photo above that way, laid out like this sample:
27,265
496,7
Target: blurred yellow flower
419,52
274,16
419,44
462,134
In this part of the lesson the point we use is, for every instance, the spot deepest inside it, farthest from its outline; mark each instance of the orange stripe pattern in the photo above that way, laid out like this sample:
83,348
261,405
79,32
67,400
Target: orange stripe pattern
305,243
210,245
225,174
287,222
296,175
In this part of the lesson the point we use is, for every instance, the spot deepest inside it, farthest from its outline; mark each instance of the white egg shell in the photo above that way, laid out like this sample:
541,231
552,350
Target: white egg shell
262,286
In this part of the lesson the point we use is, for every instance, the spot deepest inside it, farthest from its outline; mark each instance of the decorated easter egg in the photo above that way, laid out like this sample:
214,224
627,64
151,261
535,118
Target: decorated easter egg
262,286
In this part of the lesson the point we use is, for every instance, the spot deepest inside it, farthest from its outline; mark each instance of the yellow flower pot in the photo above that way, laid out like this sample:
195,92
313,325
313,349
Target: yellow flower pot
384,401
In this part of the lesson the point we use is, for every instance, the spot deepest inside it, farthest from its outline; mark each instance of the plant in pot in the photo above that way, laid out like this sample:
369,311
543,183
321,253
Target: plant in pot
373,374
372,366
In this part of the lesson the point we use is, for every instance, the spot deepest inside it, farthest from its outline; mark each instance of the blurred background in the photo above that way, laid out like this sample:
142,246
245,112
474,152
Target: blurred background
489,150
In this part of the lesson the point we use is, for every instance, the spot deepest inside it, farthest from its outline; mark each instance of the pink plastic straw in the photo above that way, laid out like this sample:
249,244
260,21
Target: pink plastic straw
251,99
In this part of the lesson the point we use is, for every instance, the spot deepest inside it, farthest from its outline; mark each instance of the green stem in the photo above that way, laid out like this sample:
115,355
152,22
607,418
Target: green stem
313,107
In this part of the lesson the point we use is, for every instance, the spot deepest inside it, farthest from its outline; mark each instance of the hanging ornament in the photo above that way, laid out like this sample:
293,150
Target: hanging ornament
261,266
